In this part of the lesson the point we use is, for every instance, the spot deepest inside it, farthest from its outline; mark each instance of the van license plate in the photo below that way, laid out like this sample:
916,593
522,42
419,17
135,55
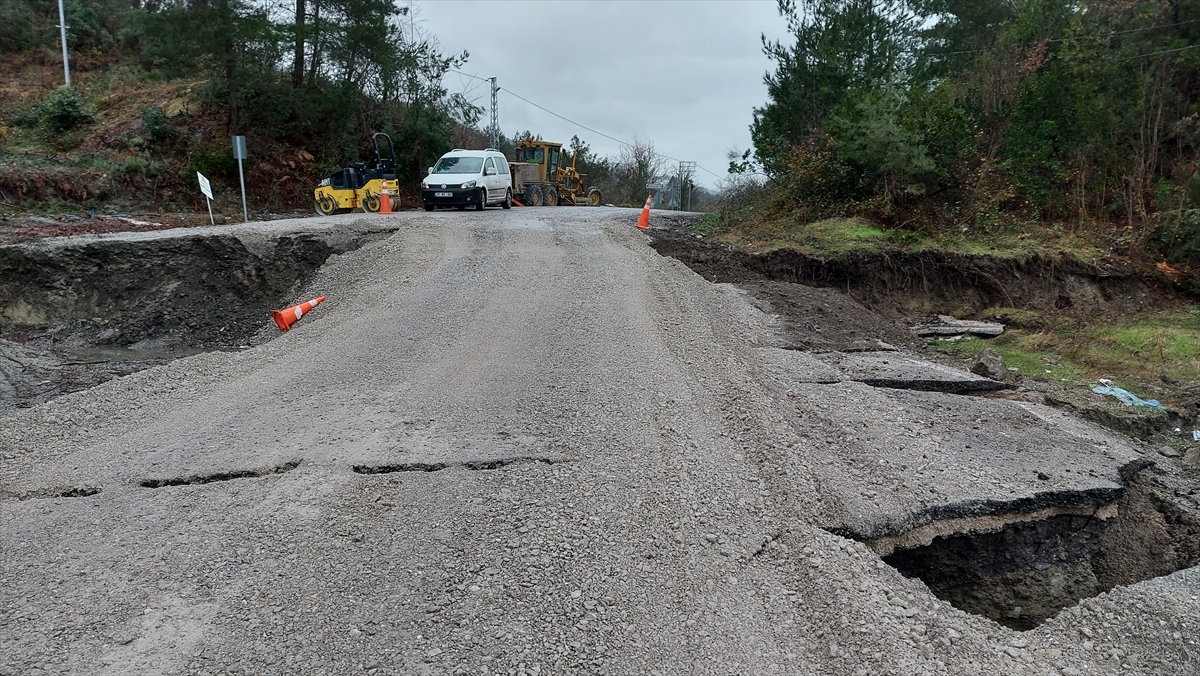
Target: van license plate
443,194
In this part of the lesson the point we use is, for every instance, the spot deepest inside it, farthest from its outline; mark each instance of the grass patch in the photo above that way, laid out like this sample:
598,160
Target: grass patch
1032,358
833,237
1137,353
707,226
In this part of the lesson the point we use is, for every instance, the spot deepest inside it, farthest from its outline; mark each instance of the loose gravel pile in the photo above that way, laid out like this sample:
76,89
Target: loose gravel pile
509,443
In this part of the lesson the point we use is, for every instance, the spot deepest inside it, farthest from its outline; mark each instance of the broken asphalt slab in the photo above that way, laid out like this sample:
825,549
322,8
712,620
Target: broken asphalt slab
945,325
907,459
890,369
907,372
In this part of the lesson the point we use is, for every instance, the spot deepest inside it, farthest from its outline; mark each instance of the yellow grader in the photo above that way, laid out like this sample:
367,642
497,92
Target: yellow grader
538,180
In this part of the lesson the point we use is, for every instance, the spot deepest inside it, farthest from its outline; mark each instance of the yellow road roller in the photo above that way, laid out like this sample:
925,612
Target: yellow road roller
358,187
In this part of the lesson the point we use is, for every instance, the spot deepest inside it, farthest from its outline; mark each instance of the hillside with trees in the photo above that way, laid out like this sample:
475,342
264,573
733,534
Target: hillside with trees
1038,119
159,87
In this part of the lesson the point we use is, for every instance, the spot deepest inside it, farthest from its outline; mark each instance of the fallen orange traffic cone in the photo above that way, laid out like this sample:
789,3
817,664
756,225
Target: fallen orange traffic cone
385,199
644,221
285,318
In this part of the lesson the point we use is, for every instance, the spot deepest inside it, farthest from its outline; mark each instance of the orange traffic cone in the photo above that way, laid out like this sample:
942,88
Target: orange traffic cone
285,318
385,199
644,221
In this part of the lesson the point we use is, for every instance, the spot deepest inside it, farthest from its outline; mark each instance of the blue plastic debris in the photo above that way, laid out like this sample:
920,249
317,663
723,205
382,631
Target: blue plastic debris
1128,398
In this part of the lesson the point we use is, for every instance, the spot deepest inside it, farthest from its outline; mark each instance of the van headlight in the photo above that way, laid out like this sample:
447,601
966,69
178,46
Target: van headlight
424,185
468,184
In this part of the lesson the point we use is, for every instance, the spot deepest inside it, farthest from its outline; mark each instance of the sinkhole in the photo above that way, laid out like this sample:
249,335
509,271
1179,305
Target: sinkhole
1028,571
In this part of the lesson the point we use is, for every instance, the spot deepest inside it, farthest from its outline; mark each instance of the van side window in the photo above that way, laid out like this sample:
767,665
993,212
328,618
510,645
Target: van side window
502,166
488,165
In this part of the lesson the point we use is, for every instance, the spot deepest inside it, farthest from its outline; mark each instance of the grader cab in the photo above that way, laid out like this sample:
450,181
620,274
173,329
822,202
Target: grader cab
538,179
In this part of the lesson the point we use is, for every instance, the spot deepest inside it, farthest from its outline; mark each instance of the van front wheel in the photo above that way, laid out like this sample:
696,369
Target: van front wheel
482,199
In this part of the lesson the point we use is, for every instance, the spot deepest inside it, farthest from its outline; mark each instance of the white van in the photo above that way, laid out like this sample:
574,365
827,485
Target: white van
466,178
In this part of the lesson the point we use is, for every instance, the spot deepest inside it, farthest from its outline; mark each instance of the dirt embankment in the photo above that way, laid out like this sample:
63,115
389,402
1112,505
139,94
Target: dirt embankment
905,288
75,312
194,291
904,285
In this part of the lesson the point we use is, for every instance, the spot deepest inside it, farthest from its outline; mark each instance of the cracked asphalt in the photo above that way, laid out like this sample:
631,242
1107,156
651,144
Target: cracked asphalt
522,442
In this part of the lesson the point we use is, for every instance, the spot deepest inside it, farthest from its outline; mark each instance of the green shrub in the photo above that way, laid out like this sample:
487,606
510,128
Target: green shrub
157,126
1178,235
25,118
65,110
17,22
136,166
215,163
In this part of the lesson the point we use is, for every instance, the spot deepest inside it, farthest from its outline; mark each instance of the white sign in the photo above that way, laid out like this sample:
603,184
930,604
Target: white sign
205,186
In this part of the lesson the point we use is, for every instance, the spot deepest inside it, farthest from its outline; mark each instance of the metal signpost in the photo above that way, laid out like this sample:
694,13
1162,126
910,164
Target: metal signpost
239,153
62,27
206,188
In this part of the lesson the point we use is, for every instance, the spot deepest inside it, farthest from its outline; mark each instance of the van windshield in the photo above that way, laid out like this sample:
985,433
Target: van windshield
458,165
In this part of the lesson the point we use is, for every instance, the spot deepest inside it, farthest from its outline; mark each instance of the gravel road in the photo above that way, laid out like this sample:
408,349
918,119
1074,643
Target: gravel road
511,442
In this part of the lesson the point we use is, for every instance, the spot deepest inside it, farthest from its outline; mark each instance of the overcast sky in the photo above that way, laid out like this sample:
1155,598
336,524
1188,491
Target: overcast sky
683,74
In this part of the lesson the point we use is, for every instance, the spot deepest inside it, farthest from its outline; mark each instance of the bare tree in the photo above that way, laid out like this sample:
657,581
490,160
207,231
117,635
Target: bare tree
641,166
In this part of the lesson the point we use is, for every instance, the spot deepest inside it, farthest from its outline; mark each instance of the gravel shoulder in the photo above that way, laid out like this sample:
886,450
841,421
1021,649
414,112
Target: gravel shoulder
510,442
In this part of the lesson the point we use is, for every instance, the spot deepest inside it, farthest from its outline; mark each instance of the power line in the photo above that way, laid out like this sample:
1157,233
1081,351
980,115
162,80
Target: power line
600,133
567,119
451,70
1165,51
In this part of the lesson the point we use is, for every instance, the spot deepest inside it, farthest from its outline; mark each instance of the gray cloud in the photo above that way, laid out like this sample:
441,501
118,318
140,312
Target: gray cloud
685,75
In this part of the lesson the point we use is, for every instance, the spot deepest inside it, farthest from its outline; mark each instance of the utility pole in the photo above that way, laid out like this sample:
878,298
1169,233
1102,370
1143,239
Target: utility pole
495,113
686,171
62,27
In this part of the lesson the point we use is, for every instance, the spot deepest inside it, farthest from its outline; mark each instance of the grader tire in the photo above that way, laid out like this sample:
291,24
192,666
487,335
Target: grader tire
533,196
